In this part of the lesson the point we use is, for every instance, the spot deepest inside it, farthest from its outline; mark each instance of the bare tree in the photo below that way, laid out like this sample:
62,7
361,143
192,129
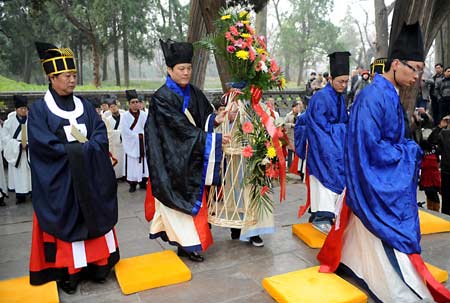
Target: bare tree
381,25
442,44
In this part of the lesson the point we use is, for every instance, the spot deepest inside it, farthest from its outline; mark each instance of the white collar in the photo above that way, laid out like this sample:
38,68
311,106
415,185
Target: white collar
69,115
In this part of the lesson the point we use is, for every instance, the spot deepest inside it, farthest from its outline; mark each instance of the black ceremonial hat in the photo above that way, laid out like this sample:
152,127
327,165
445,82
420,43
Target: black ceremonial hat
20,101
339,63
55,60
377,66
176,52
409,44
131,94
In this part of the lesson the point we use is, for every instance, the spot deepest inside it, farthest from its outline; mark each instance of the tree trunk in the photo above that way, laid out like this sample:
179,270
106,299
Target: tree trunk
442,45
210,13
431,14
126,65
105,66
197,30
116,52
27,67
261,22
301,67
80,71
96,57
381,26
287,64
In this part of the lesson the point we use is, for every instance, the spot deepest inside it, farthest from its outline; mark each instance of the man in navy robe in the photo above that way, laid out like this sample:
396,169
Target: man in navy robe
378,235
74,185
183,155
324,124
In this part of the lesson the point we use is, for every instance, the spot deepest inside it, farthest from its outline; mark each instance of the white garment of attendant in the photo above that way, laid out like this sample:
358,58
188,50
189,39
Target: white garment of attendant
135,166
322,199
115,143
366,256
19,174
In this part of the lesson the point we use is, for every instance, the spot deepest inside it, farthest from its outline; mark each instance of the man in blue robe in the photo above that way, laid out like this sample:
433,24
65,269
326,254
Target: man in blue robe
74,185
378,236
324,124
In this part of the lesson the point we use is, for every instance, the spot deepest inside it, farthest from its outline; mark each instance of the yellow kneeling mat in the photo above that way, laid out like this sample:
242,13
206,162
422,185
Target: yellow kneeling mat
430,224
308,234
19,290
308,285
439,274
150,271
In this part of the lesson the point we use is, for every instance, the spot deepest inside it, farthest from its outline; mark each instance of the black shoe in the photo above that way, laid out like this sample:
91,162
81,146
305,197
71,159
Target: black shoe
257,241
2,201
143,185
193,256
69,287
132,188
20,199
235,233
421,204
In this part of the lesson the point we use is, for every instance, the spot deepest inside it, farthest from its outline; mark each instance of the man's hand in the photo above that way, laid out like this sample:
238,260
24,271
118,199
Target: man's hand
444,122
226,139
220,117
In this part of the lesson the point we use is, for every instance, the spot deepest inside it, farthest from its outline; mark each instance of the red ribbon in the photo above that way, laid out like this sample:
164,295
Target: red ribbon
274,132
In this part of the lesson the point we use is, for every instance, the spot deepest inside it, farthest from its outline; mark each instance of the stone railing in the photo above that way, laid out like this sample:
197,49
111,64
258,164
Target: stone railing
283,99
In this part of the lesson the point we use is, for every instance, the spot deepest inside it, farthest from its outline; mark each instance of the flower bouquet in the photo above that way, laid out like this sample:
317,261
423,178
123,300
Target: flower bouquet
252,70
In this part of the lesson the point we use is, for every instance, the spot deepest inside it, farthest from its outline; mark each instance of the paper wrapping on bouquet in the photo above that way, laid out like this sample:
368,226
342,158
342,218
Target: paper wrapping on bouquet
274,132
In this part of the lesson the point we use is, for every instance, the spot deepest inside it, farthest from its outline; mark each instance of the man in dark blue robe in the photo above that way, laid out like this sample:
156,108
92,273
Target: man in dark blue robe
74,185
378,235
324,125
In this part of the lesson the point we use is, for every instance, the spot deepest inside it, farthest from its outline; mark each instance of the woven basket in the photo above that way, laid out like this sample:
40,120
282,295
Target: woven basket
228,204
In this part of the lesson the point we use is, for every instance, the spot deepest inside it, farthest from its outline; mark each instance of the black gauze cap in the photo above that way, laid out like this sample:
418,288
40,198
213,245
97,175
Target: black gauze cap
131,94
176,52
20,101
339,64
55,60
409,44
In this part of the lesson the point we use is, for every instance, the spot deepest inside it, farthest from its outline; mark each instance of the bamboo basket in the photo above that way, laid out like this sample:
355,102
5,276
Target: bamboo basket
228,203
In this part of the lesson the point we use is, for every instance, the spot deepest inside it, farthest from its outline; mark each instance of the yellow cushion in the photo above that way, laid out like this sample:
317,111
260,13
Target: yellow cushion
430,224
20,290
308,285
308,234
150,271
439,274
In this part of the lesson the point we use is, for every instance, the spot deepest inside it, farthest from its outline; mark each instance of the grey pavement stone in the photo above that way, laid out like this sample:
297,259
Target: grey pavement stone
232,272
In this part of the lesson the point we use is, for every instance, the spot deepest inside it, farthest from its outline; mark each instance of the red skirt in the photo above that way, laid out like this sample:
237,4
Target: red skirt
53,259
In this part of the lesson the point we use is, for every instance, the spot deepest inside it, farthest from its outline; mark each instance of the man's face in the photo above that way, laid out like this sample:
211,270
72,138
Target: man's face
141,105
134,105
447,73
296,109
407,72
104,107
22,111
438,69
64,83
340,83
114,108
181,73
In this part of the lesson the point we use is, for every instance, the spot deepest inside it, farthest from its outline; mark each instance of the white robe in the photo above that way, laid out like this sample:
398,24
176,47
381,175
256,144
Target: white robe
134,168
19,174
323,199
115,144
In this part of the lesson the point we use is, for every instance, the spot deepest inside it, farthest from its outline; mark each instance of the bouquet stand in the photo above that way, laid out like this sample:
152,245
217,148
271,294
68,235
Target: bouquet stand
228,203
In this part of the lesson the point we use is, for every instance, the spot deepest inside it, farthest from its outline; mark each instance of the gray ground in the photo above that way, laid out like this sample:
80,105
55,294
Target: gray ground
231,273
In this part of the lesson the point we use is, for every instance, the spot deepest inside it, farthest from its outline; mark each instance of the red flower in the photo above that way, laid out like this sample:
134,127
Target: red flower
234,30
231,49
247,127
272,171
247,151
264,190
229,37
252,54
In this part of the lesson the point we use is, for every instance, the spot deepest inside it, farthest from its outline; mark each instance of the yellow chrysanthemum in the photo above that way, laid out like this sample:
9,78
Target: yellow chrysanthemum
242,54
225,17
282,82
261,51
245,22
245,35
243,14
271,152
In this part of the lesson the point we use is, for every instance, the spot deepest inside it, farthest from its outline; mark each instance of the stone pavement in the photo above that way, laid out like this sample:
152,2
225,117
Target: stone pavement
232,272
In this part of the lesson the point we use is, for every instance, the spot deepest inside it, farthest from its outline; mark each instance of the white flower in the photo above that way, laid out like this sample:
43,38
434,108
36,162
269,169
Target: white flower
265,161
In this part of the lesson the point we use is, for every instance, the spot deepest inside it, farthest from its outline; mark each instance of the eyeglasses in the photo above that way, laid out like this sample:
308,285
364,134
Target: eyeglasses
419,72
